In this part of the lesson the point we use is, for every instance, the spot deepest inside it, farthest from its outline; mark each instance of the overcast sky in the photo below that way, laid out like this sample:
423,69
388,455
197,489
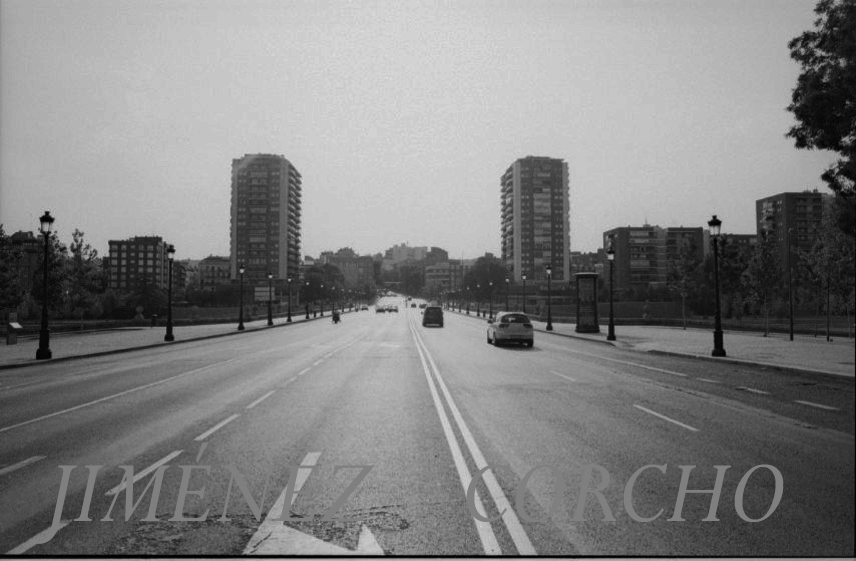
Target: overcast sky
122,118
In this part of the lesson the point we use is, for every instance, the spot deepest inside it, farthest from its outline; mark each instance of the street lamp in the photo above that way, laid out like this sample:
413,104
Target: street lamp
549,298
468,300
790,286
170,255
490,299
44,350
288,315
506,294
306,294
718,349
523,276
610,254
478,299
270,298
241,298
322,299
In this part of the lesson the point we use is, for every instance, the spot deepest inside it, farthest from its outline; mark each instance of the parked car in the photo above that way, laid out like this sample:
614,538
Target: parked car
510,327
432,315
379,309
422,305
392,308
364,308
413,304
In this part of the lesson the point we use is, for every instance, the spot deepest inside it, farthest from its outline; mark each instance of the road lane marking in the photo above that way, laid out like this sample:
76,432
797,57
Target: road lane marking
262,398
708,381
634,364
217,427
317,362
271,523
143,473
512,523
290,380
680,424
562,375
490,545
38,538
304,371
753,390
818,405
21,464
120,394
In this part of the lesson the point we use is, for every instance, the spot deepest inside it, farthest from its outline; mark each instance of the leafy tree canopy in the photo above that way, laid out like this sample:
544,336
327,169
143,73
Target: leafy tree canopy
824,99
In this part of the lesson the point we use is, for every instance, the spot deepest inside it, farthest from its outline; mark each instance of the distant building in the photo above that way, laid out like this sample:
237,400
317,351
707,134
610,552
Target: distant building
643,253
535,228
266,218
213,271
136,262
801,214
448,275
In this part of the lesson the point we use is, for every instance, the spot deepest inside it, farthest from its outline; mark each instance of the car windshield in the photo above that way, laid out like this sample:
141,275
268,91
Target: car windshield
514,318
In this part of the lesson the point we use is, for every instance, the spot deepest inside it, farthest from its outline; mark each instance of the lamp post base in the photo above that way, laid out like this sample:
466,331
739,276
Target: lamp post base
43,354
718,348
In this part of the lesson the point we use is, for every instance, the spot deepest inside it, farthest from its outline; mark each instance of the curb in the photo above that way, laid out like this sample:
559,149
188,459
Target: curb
741,362
35,362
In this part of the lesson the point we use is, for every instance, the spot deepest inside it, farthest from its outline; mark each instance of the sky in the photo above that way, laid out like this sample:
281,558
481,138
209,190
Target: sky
122,117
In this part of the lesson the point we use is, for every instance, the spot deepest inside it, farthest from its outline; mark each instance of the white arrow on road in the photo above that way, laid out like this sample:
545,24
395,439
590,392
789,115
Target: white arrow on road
275,538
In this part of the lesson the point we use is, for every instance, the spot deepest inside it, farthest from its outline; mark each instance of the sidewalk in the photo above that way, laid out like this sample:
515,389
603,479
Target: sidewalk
804,354
93,343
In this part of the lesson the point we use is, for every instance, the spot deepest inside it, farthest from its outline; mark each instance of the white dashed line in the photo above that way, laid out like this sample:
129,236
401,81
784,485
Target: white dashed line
562,375
38,538
304,371
259,400
144,473
216,427
818,405
21,464
753,390
317,362
680,424
708,381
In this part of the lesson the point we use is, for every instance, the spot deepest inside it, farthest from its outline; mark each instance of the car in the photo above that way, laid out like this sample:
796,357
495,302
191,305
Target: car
422,305
413,304
393,308
379,309
432,315
364,308
510,327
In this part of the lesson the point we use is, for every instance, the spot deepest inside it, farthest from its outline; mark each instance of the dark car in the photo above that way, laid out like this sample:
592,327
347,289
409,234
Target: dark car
432,315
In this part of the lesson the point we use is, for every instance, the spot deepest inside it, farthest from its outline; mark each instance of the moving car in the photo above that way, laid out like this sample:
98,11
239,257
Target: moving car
392,308
433,315
510,327
379,309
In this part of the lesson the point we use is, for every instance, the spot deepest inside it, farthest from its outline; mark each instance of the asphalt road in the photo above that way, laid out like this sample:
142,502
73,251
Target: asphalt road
393,423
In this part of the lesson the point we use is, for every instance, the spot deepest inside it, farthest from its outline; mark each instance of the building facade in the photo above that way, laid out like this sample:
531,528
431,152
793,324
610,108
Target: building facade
266,218
643,253
214,271
136,262
535,227
796,214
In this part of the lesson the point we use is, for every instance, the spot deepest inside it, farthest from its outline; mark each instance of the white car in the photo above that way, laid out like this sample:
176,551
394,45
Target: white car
510,327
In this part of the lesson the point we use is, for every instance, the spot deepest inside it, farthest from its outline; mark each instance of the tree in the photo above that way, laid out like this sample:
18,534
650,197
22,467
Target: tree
57,274
85,279
486,270
682,274
763,276
824,99
11,289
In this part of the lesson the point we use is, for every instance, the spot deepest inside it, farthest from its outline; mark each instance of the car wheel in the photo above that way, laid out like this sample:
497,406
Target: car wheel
488,339
530,344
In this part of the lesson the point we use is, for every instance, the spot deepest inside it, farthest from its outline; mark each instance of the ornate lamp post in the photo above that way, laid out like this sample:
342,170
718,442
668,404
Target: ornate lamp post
270,298
523,276
490,299
44,350
288,315
306,303
718,348
790,287
506,294
468,300
610,254
241,298
170,255
478,299
549,298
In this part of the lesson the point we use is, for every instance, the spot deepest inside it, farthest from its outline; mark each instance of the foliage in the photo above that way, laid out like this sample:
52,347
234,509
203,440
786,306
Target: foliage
763,276
85,280
487,270
824,99
11,289
57,271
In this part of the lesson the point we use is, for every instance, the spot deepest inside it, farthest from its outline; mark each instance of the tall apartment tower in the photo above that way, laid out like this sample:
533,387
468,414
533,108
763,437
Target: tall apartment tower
266,208
535,219
794,214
